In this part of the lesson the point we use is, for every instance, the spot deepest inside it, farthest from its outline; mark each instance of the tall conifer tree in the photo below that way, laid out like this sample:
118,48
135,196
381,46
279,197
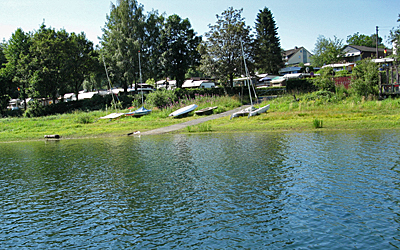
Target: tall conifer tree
267,48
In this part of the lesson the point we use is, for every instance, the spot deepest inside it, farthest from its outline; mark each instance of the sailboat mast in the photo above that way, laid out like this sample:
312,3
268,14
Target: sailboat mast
247,74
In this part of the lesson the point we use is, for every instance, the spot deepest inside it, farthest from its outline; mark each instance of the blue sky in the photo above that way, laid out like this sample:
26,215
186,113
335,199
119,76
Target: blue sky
299,22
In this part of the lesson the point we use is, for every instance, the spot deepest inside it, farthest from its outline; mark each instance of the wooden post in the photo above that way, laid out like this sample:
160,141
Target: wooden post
387,76
392,79
377,52
380,84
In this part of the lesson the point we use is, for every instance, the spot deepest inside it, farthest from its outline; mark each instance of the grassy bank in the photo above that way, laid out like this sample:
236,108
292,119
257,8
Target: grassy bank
88,124
286,114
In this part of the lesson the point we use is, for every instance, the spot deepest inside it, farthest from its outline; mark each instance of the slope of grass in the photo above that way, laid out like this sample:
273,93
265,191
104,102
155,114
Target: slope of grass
285,114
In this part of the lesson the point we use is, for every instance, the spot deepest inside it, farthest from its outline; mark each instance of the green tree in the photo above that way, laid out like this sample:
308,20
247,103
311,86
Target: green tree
365,80
123,36
327,51
222,52
151,49
364,40
97,79
380,40
5,80
194,72
267,48
18,61
359,39
179,48
81,61
49,62
3,59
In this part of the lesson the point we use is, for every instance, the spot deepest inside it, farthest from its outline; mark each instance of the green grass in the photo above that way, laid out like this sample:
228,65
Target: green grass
284,114
201,128
317,123
87,124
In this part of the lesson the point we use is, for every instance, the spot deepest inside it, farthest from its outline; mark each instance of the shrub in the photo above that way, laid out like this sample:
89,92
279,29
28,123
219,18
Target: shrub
161,98
137,100
325,80
365,79
35,109
342,73
322,95
84,118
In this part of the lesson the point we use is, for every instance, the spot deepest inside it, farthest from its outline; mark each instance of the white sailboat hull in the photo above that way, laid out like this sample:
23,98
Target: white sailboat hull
250,111
259,110
184,110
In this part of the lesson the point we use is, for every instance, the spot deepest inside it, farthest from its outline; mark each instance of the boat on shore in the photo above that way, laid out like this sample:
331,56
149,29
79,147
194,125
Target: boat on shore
139,112
250,111
184,110
205,111
259,110
242,112
112,116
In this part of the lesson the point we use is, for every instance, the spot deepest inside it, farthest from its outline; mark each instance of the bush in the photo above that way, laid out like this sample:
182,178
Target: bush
161,98
342,73
35,109
365,79
325,80
84,118
321,95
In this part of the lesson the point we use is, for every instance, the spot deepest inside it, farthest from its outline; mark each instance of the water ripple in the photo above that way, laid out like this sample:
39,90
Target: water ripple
253,191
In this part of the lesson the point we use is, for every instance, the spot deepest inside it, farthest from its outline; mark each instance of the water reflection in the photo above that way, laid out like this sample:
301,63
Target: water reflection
293,190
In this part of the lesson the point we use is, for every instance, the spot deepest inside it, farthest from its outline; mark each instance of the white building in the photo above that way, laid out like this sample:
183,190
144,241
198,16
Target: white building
198,84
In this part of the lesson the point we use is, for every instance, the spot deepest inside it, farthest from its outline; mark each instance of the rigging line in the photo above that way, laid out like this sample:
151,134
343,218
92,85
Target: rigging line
247,75
109,82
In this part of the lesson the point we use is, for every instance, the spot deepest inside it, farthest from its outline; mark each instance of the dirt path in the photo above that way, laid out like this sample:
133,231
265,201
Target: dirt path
190,123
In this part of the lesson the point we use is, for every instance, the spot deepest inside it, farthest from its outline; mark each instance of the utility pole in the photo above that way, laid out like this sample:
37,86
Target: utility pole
377,55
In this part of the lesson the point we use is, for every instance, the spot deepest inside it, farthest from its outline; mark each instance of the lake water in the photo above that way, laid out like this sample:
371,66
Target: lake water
311,190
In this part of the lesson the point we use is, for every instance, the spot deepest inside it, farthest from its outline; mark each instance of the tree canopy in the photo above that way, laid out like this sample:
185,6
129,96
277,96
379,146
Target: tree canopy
123,36
179,48
44,64
221,52
18,60
327,51
364,40
81,61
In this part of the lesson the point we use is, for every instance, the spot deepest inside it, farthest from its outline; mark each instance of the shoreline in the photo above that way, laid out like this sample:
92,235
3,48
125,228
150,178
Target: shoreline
240,125
284,115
